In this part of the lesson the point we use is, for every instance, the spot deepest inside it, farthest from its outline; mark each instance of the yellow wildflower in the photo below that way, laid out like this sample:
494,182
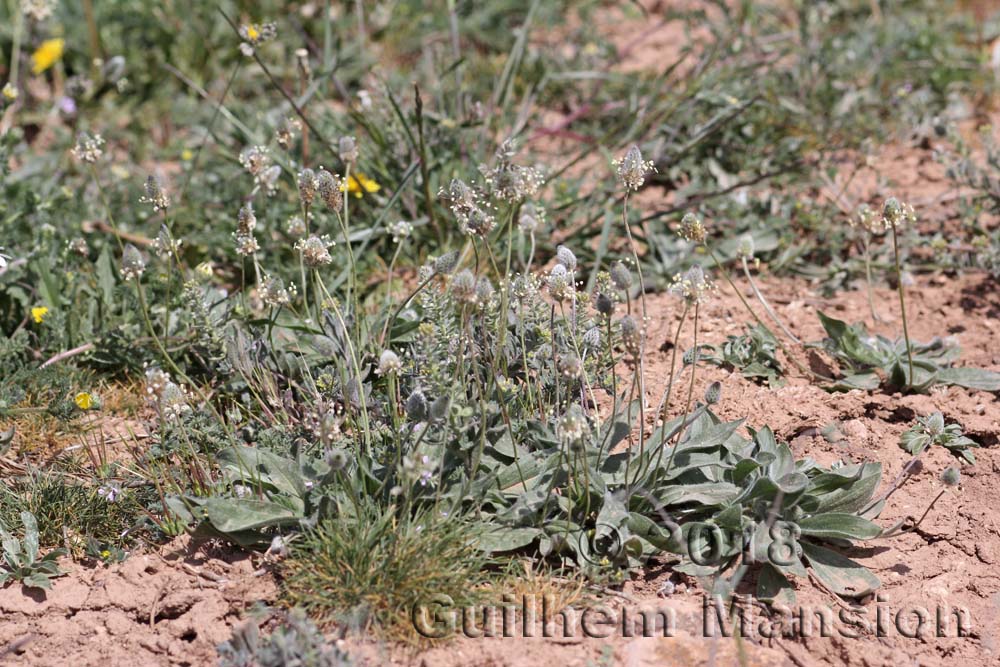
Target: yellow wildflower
84,401
106,554
359,185
187,155
47,55
9,92
39,313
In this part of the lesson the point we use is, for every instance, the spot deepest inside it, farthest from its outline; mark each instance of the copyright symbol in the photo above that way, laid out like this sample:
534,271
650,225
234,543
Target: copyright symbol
601,545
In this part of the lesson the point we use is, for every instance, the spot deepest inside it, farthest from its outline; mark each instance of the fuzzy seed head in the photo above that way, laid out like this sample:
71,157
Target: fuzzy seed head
570,366
484,290
416,406
531,218
446,263
389,363
632,169
631,335
604,304
592,338
572,427
621,277
560,283
713,394
348,148
463,287
566,257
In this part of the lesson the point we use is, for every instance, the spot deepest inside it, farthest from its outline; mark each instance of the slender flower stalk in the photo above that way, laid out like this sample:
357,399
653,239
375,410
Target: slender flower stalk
632,170
895,214
902,303
868,222
687,404
767,306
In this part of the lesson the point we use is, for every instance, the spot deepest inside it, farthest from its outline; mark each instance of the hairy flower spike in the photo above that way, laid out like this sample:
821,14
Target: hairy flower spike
693,286
621,277
133,264
560,283
570,366
89,148
592,338
531,218
285,133
77,246
508,181
255,159
308,184
274,293
632,169
296,227
37,10
867,218
257,162
484,290
330,188
446,263
315,250
348,148
692,228
155,195
246,221
479,222
246,244
473,215
165,245
400,230
604,304
631,336
416,406
745,249
566,257
572,427
895,214
463,287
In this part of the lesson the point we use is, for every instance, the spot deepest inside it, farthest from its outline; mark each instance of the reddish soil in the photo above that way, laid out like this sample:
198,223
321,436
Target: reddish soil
169,606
